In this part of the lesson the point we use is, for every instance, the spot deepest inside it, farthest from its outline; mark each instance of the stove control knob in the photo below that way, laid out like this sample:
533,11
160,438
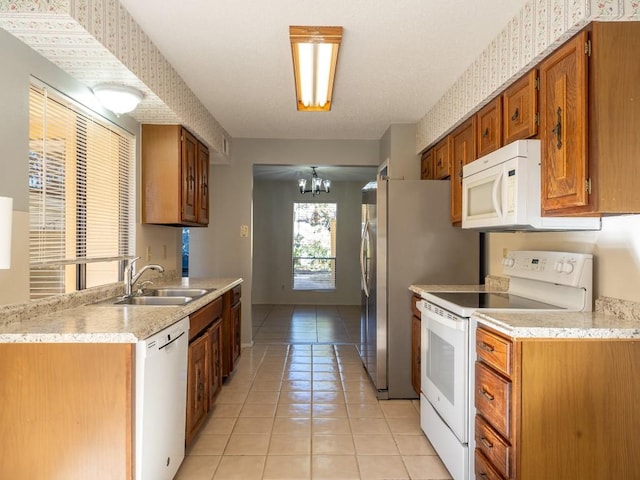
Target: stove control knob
558,266
508,262
567,267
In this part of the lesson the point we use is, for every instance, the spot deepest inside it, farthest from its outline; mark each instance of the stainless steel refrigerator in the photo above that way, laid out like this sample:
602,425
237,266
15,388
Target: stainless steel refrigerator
407,239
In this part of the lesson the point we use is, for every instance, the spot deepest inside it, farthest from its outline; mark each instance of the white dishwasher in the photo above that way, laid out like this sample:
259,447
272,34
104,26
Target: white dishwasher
161,402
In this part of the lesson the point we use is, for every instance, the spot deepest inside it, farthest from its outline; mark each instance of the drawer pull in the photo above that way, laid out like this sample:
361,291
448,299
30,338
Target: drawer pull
486,394
486,347
486,442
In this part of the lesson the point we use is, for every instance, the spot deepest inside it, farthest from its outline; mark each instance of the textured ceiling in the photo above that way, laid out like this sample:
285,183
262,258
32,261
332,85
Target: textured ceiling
397,58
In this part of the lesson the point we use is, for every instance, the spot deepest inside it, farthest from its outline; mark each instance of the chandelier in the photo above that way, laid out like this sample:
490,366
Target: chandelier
318,185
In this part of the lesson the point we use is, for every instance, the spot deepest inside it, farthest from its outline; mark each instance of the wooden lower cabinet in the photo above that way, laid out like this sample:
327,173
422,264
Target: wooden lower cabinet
416,324
197,385
231,330
204,375
66,410
567,409
215,360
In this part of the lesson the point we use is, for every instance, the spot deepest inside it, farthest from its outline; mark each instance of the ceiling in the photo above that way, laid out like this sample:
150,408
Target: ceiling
397,58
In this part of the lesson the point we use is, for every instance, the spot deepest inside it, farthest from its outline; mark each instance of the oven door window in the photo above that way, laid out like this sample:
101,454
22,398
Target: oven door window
440,365
445,372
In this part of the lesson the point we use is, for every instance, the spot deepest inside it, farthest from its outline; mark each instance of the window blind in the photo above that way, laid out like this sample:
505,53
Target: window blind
81,195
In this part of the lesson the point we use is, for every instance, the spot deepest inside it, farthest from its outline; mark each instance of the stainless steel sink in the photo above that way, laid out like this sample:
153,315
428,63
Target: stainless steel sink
178,292
154,300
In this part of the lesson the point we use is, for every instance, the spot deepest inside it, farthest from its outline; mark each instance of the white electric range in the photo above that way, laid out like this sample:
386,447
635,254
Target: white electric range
539,281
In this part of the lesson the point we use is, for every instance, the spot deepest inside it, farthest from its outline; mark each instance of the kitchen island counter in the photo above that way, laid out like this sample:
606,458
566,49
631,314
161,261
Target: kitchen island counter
103,322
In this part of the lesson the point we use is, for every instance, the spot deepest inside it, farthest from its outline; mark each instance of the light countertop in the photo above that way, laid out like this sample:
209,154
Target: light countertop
107,323
560,325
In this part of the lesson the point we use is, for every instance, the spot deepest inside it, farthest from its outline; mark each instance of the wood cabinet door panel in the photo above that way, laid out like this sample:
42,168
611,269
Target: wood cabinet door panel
563,126
493,399
519,108
462,152
189,176
489,127
426,165
197,385
442,159
237,331
215,367
416,323
203,185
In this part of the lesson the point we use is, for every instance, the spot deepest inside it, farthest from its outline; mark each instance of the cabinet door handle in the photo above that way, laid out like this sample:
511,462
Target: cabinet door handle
557,130
486,442
515,115
486,394
483,475
486,347
485,134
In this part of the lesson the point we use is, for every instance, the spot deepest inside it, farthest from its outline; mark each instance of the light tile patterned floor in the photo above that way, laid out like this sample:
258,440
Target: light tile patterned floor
308,411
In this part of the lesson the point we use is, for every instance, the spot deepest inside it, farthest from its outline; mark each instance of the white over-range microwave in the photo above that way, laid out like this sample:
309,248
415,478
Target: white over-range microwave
501,191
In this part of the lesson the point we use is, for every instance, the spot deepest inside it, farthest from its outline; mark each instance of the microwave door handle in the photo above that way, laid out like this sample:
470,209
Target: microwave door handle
495,192
365,234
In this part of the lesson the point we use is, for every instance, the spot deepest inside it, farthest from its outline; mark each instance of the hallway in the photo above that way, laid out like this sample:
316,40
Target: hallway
300,406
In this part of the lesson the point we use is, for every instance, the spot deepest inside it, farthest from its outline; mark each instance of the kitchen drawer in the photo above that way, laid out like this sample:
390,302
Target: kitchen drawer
483,468
495,351
414,305
493,399
201,319
494,448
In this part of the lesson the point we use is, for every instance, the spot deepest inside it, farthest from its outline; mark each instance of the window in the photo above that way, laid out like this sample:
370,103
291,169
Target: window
81,196
314,246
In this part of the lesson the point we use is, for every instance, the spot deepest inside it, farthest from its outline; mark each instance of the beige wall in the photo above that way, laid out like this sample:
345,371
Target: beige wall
273,235
219,250
616,251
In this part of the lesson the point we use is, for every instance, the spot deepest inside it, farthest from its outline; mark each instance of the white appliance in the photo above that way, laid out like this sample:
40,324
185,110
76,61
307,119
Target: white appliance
407,239
161,402
539,281
501,191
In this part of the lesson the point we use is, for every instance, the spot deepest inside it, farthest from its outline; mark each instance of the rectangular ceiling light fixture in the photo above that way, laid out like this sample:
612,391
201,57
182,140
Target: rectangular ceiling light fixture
315,54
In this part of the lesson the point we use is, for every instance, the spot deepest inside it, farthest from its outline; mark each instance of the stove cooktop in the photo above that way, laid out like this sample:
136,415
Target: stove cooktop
465,303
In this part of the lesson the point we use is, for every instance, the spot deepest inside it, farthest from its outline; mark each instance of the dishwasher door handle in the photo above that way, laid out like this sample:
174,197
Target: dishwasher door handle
171,341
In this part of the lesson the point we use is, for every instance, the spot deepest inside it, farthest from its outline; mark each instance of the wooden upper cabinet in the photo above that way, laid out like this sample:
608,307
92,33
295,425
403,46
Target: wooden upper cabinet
173,170
442,159
189,173
589,122
203,185
462,152
489,127
563,125
426,165
519,109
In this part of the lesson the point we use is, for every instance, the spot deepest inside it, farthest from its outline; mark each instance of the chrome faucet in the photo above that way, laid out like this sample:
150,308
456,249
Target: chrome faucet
130,278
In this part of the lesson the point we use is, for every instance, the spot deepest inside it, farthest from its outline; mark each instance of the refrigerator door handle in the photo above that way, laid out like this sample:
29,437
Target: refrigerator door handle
363,273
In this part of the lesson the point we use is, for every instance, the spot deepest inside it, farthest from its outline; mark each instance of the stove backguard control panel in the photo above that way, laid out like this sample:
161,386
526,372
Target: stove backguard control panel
562,268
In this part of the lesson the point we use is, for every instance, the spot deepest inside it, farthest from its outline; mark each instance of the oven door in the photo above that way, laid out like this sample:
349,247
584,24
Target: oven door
444,368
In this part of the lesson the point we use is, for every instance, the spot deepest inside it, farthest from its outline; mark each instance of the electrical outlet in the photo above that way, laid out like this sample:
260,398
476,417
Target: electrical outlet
244,231
505,252
148,253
